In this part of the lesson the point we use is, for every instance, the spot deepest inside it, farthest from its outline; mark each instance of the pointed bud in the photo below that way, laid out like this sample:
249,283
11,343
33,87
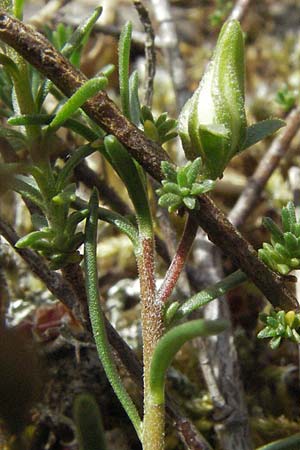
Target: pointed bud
212,124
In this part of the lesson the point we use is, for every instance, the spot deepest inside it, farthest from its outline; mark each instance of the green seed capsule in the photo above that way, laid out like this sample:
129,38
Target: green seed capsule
212,124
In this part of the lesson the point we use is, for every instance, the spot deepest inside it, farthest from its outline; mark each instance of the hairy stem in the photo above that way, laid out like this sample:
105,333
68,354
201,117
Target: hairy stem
152,324
179,260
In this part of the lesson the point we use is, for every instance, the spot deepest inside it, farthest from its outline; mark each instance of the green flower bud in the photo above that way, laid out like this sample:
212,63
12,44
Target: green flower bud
212,124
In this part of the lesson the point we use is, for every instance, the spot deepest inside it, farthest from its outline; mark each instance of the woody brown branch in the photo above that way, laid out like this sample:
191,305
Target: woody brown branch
37,50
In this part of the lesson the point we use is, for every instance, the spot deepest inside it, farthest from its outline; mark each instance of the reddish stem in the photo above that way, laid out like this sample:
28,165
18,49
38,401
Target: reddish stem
152,325
179,259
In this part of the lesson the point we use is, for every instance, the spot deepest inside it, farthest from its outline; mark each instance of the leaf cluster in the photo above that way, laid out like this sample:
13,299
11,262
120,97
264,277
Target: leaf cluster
280,325
55,233
159,130
182,185
283,254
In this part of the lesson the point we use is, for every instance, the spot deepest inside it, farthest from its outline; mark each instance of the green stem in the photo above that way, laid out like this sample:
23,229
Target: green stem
207,295
97,317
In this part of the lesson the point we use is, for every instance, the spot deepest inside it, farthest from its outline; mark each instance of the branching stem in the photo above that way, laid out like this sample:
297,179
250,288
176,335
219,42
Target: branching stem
179,260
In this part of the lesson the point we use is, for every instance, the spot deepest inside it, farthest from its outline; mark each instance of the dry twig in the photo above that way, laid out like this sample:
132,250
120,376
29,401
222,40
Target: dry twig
239,10
150,55
252,192
221,371
167,35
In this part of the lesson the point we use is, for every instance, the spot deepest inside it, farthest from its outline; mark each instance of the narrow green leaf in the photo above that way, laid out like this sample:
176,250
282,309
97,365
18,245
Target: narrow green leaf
97,316
288,216
210,293
182,177
18,9
31,238
88,90
59,260
266,332
63,198
294,263
135,107
45,247
27,188
45,119
107,70
261,130
296,229
146,114
73,161
203,187
16,139
31,119
275,342
76,241
128,172
161,119
168,137
284,269
282,250
169,171
296,336
81,129
150,131
190,202
81,33
171,187
291,242
168,346
193,171
167,126
74,219
171,311
275,231
10,66
169,199
59,35
39,222
120,222
124,58
78,37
